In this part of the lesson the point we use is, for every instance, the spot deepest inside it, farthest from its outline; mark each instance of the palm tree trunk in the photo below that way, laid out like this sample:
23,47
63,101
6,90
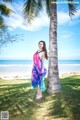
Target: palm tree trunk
53,73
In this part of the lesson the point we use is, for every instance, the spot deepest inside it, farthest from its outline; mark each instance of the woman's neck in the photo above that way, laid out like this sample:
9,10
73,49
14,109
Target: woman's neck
40,49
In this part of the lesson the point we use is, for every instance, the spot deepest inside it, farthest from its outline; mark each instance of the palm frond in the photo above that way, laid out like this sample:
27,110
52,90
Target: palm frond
32,8
47,7
2,24
7,0
4,10
38,7
72,8
28,9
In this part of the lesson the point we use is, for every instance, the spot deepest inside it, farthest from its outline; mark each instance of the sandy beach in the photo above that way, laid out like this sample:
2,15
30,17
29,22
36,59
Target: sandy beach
24,76
69,74
15,76
24,71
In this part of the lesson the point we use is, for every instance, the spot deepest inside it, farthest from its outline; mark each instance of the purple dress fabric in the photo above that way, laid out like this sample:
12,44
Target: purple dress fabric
37,73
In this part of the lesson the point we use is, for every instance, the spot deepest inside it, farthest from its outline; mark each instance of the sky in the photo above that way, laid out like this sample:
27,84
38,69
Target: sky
68,33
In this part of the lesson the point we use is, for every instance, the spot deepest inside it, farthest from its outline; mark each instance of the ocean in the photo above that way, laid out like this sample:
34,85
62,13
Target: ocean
24,67
17,62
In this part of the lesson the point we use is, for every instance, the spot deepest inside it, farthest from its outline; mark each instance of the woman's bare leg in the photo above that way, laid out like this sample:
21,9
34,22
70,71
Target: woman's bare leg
39,91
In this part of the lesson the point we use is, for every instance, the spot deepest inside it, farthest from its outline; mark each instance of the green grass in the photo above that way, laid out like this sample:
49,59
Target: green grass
18,97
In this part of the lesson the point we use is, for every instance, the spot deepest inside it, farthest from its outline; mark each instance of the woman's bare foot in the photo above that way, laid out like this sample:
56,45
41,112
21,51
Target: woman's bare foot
39,94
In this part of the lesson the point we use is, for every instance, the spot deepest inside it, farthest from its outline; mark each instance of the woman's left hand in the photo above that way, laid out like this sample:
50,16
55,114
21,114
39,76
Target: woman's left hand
42,70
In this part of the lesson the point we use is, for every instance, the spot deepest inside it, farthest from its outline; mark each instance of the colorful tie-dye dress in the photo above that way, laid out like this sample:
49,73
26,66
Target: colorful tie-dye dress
37,73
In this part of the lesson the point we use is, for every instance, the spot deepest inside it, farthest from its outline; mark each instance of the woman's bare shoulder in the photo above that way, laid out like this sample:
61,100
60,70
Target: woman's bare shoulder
43,54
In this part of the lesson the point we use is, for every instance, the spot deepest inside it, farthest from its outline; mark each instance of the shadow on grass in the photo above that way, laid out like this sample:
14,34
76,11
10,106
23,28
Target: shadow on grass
19,100
67,103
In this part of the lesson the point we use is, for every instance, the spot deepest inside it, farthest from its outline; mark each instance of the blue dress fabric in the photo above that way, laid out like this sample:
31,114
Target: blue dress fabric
38,75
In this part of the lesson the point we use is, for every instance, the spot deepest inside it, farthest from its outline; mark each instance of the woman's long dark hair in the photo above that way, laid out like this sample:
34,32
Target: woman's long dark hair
44,48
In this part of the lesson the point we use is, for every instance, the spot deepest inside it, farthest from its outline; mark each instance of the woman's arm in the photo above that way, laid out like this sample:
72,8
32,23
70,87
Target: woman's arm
48,54
43,58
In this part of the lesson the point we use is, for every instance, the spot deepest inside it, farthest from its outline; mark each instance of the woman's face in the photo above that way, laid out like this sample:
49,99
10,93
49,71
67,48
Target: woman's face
40,45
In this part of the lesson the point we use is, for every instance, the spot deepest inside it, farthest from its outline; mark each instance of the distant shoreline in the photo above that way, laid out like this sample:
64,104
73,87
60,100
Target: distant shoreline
23,70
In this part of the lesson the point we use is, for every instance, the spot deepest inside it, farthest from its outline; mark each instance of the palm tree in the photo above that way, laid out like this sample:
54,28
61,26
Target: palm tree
5,36
32,8
4,11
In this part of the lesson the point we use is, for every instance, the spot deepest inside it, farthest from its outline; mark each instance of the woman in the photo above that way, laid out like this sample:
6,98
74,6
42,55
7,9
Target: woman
38,70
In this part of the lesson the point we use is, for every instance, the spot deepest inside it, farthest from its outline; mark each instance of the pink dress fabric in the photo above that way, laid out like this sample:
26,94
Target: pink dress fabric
37,73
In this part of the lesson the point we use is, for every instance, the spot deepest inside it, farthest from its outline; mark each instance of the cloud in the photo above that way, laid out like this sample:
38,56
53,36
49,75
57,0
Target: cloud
64,18
16,20
38,22
73,54
66,36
